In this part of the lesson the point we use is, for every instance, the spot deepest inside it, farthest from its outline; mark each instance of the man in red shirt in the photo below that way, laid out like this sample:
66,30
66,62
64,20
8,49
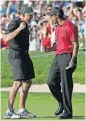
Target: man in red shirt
60,80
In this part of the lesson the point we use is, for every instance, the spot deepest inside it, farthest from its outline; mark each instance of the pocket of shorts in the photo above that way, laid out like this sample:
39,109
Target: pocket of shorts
17,54
12,54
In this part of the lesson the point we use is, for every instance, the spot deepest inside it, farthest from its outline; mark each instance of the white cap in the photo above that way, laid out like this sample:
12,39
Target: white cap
33,23
25,1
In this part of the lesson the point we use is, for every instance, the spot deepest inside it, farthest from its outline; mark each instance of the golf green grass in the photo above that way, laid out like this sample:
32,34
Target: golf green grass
44,105
42,62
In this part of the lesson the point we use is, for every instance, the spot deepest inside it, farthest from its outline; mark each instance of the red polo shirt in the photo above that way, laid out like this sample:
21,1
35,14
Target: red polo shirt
65,35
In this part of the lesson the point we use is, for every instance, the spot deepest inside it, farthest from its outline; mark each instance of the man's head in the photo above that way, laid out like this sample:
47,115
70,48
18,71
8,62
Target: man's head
60,16
27,13
3,33
49,9
58,12
79,13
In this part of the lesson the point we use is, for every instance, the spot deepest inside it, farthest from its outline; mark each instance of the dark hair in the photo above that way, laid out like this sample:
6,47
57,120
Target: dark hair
3,29
49,6
62,17
80,4
61,14
79,10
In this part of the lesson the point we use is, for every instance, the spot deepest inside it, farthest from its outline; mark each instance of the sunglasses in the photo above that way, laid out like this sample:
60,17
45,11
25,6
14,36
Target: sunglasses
49,9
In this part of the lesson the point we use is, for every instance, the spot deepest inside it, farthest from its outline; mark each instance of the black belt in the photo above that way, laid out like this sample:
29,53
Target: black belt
24,51
64,53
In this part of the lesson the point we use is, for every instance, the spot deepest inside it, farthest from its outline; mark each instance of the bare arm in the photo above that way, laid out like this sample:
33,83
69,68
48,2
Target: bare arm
13,34
73,35
75,50
70,11
8,9
74,55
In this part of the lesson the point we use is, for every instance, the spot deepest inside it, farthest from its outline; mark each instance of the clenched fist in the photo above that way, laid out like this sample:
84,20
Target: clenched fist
22,25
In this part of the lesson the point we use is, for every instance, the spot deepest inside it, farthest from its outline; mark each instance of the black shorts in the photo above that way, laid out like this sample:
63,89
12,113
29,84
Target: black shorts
22,66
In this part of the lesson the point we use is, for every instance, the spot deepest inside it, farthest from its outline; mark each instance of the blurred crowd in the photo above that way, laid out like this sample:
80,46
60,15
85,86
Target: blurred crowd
43,24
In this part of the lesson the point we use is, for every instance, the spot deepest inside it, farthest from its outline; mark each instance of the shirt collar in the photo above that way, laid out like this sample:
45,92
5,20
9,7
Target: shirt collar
64,24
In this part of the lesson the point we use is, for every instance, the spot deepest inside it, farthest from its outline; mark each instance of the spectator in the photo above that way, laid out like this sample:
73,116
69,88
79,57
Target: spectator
53,24
80,29
57,3
10,8
3,42
47,12
4,7
73,18
44,34
74,10
84,12
33,36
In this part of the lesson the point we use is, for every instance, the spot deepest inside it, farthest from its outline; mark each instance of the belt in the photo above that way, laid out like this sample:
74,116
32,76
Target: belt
24,51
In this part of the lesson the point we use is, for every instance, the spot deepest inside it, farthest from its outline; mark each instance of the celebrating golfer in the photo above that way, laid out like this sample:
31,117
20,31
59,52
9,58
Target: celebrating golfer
60,80
22,66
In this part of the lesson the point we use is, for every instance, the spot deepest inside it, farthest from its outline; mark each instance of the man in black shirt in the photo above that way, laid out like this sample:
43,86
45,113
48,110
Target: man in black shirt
22,66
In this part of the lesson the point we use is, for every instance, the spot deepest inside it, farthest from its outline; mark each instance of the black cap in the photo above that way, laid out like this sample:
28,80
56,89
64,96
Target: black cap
28,10
58,11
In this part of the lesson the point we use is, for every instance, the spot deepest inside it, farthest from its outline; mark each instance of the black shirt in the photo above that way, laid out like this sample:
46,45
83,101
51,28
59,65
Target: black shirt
21,41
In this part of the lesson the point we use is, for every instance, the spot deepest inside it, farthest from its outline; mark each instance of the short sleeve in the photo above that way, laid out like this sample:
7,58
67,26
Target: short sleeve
72,32
13,25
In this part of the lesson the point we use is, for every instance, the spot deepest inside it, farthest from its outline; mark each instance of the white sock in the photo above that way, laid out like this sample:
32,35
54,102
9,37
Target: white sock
9,110
21,110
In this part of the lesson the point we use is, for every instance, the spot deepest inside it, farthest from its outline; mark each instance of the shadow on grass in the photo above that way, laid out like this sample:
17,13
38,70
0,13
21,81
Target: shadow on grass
47,117
79,117
74,117
52,118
